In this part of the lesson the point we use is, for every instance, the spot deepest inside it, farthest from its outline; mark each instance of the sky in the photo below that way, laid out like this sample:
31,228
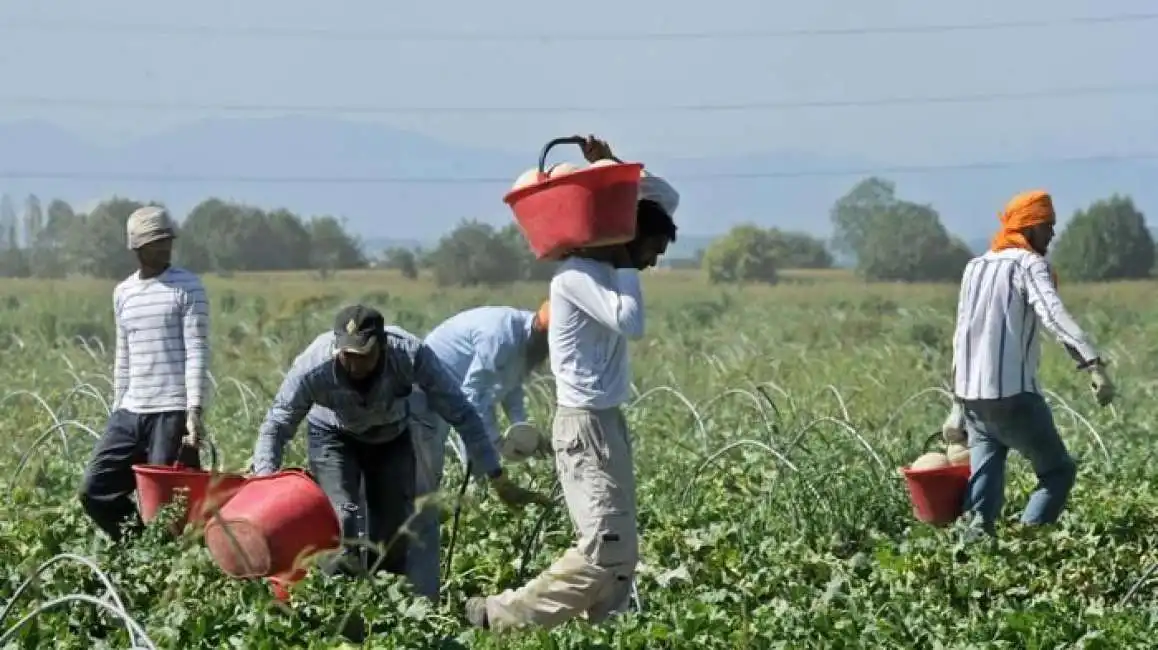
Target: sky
62,61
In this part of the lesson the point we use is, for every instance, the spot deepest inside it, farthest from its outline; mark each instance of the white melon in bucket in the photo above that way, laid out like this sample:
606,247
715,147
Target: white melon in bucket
931,460
957,454
529,177
561,169
604,162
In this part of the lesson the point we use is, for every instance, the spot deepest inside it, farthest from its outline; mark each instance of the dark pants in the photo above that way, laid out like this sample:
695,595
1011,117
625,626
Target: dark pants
130,438
343,466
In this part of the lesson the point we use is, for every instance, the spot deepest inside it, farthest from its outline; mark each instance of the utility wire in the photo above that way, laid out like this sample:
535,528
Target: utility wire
261,31
147,105
163,177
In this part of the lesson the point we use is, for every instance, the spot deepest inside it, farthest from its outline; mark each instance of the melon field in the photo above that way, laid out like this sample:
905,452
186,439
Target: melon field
769,424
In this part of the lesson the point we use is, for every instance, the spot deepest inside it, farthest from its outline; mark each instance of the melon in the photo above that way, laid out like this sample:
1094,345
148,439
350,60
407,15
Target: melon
603,162
931,460
521,442
529,177
561,169
957,454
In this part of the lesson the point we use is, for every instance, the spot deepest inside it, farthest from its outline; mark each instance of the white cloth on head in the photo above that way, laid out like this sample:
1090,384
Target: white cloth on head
654,188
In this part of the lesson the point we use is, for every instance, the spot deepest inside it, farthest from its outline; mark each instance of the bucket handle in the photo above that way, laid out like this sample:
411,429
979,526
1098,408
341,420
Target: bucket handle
206,444
571,139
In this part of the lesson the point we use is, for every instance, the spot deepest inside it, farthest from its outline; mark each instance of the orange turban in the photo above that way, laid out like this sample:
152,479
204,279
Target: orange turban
543,316
1023,211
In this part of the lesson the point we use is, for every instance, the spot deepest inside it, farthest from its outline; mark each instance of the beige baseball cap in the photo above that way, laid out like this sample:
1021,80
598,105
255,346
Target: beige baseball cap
149,224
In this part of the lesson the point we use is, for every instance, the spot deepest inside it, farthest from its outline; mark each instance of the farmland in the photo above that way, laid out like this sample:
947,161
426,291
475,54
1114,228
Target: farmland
769,423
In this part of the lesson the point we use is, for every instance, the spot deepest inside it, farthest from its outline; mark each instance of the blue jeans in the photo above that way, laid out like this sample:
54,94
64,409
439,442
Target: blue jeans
130,438
1025,424
380,475
424,559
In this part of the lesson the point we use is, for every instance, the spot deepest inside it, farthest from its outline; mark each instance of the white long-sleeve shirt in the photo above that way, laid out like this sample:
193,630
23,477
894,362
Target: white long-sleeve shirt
595,310
162,349
1006,299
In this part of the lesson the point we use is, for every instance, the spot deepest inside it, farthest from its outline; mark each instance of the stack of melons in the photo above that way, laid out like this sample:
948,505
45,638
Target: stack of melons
954,454
532,176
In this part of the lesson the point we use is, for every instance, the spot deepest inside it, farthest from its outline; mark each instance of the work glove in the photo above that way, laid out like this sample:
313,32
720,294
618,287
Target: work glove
194,428
1101,385
514,496
953,429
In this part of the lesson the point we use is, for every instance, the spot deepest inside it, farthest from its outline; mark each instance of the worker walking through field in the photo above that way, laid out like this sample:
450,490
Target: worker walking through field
1008,295
489,351
596,307
352,385
160,374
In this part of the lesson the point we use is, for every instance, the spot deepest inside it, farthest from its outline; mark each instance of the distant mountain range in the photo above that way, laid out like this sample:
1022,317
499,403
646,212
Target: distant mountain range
240,159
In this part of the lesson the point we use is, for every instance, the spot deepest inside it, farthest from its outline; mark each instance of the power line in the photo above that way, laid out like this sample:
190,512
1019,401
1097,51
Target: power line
134,104
162,177
253,31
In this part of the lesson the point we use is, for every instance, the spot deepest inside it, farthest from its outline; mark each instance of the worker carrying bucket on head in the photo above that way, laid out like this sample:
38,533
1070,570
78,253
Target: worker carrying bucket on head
490,351
1008,295
352,385
596,307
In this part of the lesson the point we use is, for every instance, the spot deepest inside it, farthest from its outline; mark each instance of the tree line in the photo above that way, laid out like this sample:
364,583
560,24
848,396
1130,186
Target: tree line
889,239
894,240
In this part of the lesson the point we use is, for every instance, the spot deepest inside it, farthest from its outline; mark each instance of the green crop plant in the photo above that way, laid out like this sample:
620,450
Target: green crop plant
768,422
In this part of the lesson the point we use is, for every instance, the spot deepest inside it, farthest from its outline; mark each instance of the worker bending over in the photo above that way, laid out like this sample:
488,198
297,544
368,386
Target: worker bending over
489,351
352,386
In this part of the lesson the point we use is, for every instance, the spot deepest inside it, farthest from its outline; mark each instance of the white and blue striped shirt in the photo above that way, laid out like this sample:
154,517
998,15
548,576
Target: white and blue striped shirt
162,348
1006,298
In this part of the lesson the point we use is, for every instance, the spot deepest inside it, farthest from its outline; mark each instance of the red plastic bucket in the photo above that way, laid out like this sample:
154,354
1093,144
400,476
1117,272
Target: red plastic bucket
595,206
937,495
207,491
271,525
281,584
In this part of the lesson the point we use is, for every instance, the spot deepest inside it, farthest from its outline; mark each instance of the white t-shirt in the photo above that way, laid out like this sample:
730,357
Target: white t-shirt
595,310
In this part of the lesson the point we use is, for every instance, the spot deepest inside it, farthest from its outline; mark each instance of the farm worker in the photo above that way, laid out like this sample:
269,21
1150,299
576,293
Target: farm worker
1007,296
489,351
596,308
160,374
352,386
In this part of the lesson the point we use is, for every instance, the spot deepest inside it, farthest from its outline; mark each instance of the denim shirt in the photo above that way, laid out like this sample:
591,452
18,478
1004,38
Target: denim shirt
316,388
484,349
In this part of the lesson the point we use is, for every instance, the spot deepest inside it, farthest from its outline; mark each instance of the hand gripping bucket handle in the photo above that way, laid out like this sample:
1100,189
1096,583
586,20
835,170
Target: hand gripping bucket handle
208,446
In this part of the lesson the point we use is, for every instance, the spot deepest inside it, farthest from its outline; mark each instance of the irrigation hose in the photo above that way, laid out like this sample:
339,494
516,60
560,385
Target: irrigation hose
454,525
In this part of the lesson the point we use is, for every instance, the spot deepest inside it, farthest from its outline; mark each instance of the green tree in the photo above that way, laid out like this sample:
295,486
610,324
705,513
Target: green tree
1106,241
402,260
746,254
895,240
797,250
474,254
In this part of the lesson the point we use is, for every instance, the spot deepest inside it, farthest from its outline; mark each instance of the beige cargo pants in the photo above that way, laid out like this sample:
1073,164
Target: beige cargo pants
593,578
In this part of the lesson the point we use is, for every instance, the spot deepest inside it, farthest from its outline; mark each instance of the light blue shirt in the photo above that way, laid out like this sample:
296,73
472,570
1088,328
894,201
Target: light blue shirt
314,388
484,349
